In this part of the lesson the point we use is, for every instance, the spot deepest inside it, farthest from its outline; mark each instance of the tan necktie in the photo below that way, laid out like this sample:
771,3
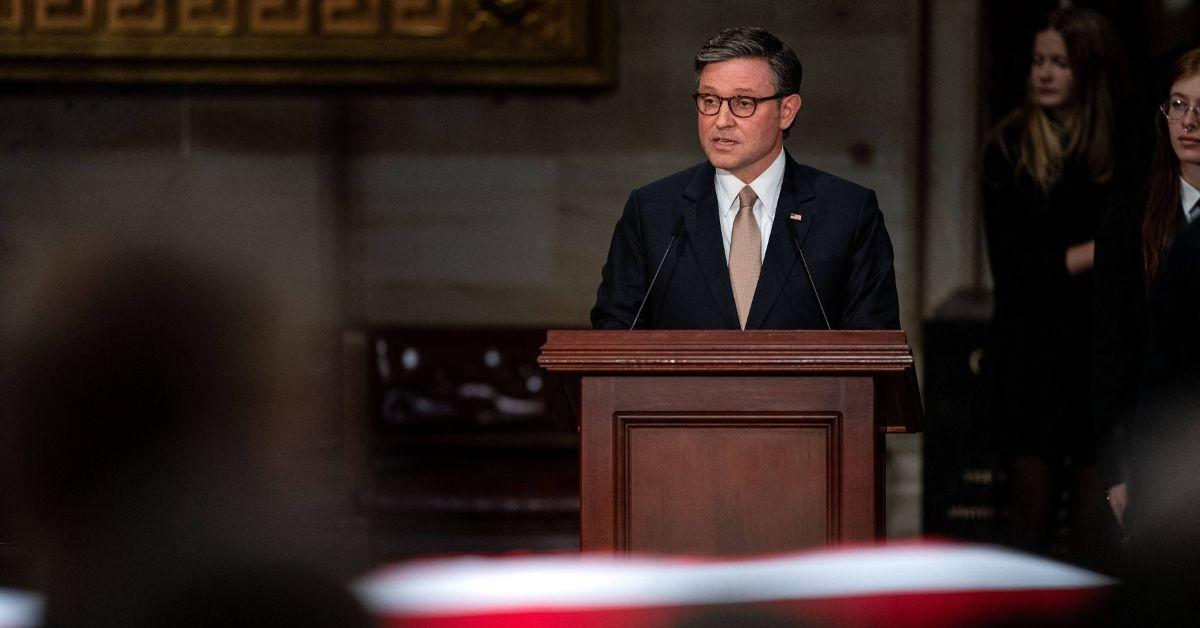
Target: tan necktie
745,254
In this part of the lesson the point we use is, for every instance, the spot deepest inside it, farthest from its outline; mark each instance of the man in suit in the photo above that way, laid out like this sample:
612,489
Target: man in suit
742,216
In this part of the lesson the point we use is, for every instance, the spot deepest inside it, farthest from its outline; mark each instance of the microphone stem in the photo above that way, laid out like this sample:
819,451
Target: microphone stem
653,279
813,285
808,273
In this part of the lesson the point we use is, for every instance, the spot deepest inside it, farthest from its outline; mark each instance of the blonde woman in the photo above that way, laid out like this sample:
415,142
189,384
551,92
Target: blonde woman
1047,176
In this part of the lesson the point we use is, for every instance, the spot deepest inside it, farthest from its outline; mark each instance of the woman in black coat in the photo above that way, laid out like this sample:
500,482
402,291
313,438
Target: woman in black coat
1141,349
1047,176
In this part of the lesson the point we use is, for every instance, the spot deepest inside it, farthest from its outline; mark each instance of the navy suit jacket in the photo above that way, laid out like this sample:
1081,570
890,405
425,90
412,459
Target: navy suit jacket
840,229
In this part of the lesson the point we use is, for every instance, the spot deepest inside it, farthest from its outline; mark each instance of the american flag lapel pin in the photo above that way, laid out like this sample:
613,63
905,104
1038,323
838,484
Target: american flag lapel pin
796,217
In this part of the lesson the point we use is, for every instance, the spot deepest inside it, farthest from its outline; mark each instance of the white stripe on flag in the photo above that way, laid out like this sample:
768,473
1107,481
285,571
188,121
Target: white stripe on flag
473,584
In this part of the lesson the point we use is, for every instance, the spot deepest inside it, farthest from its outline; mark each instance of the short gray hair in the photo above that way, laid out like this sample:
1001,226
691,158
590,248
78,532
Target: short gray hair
748,42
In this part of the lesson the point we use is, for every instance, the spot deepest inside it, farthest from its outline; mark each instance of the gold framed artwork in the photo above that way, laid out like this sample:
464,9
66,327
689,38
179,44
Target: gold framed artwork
510,43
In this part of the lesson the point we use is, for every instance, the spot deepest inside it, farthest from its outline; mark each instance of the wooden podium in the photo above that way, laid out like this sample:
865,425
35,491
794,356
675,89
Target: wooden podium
732,442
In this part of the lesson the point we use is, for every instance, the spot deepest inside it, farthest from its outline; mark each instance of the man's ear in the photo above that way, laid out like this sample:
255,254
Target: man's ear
789,106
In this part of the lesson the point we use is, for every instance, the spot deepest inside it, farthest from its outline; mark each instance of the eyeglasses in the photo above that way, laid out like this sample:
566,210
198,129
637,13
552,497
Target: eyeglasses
740,106
1176,109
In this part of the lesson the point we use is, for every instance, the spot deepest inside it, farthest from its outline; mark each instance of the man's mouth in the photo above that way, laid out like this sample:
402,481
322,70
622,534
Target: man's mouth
723,141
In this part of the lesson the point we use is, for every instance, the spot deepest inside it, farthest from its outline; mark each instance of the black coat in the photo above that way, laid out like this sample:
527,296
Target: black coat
1040,341
1165,435
1169,403
840,228
1119,336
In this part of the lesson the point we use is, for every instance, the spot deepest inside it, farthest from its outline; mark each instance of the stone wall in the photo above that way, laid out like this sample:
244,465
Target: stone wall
479,208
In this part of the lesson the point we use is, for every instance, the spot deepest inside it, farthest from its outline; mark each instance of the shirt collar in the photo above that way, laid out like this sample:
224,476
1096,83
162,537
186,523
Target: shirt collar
766,186
1188,196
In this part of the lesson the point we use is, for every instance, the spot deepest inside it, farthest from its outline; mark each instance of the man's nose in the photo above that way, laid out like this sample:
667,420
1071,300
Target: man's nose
724,115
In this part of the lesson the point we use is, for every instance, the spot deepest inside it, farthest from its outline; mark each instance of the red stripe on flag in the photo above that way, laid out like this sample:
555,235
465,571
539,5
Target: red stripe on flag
954,608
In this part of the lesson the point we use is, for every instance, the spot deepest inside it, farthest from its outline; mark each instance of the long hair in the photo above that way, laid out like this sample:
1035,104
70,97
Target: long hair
1161,218
1086,134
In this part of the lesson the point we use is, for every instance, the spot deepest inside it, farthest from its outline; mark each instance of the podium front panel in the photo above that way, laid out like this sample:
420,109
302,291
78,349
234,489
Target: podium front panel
727,464
686,482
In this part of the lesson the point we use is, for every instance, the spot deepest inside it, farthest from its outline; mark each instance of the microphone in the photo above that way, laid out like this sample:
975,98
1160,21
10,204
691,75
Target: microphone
675,231
807,273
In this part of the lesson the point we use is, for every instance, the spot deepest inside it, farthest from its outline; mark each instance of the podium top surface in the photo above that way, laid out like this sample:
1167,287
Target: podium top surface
831,352
882,355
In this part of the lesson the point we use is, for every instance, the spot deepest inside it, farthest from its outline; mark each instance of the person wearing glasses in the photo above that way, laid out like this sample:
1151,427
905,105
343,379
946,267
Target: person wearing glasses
1148,263
1047,176
1143,249
722,240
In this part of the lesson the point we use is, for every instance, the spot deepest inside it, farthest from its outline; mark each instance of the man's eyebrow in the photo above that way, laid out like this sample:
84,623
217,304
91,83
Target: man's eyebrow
737,90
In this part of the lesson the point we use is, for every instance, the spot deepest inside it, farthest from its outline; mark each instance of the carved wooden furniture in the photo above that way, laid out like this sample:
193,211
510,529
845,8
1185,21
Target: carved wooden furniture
733,442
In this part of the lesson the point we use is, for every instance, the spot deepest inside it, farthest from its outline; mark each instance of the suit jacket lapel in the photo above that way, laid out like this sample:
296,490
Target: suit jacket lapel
796,196
704,229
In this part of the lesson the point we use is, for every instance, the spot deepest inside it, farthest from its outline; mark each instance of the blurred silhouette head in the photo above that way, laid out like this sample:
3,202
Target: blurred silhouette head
136,442
129,371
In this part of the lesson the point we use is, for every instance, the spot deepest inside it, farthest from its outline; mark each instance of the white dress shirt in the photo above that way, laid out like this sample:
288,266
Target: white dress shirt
1188,196
766,186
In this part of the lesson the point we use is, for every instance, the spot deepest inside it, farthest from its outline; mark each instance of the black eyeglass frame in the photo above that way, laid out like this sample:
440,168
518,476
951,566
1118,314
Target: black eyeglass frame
728,102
